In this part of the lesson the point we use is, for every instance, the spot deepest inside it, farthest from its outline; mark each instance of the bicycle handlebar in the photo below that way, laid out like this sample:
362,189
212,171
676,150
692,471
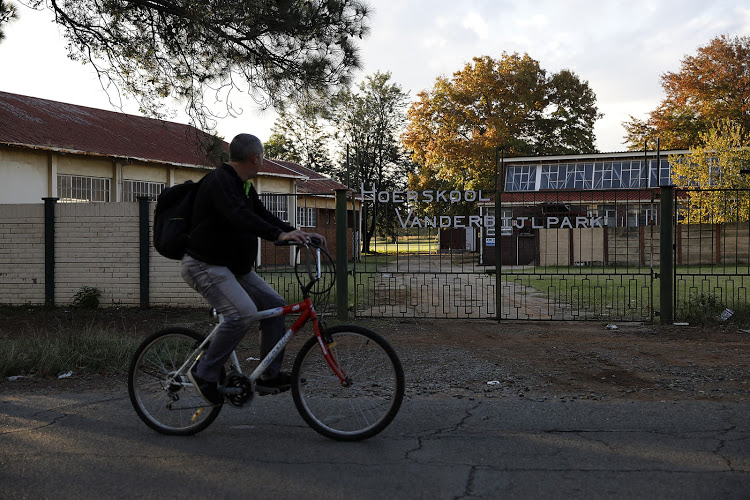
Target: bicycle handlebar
311,241
312,267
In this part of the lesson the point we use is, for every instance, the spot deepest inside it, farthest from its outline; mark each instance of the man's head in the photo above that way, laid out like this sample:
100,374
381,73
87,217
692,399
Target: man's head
246,155
244,146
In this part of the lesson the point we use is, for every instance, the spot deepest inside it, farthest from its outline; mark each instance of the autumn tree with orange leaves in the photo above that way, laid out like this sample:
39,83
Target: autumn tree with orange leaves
454,129
711,86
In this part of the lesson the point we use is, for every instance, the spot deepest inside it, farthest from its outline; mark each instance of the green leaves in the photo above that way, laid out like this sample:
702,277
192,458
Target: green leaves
193,49
712,85
714,165
510,103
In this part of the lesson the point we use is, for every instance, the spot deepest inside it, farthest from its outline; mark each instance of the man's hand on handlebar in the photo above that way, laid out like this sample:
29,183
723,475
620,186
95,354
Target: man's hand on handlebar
302,238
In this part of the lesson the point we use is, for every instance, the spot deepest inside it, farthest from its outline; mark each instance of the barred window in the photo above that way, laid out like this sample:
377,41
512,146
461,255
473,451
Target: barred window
520,178
661,175
553,176
307,217
277,204
579,176
81,189
604,176
131,190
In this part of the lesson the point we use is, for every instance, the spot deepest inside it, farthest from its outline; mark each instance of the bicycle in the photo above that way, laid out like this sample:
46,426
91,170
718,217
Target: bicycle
347,381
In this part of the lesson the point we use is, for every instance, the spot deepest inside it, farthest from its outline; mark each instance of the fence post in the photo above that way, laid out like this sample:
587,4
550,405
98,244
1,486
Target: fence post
342,245
666,254
49,251
143,247
499,187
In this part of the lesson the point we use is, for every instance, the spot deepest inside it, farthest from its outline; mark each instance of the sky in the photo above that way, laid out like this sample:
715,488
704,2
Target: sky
621,47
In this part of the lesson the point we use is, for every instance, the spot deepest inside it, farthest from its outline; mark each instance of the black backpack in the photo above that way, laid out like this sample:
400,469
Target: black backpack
172,219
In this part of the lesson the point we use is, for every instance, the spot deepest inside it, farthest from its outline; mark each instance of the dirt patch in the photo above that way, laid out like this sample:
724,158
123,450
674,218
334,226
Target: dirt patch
574,360
480,358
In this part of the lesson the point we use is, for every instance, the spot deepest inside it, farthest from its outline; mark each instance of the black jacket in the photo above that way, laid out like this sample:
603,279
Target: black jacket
226,224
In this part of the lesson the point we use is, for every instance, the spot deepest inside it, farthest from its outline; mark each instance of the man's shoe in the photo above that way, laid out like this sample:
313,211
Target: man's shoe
207,390
280,383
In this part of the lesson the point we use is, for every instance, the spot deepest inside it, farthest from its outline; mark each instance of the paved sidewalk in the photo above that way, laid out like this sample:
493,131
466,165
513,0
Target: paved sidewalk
65,444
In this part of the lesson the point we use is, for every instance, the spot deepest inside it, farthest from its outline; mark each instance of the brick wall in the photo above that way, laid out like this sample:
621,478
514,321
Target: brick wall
96,245
22,254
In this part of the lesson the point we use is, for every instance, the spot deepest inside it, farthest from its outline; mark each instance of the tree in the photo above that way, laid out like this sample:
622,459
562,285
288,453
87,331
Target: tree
7,14
369,121
190,50
712,85
299,134
278,147
716,164
454,129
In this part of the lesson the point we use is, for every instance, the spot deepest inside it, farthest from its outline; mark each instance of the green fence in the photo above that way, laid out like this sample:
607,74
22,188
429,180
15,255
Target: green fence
569,255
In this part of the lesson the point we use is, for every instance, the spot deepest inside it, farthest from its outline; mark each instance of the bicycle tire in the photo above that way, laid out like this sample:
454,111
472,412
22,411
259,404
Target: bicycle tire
178,410
364,408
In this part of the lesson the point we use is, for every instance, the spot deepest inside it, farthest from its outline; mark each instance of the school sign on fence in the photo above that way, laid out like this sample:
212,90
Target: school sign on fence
405,203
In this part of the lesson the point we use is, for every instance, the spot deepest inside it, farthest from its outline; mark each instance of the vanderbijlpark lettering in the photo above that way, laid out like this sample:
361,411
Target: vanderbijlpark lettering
412,220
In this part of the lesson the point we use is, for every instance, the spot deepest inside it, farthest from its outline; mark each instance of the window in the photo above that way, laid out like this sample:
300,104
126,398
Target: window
131,190
307,217
602,175
580,176
553,177
80,189
520,178
661,176
277,204
632,174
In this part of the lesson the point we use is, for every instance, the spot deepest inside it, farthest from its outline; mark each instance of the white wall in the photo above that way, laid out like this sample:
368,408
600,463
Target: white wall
23,176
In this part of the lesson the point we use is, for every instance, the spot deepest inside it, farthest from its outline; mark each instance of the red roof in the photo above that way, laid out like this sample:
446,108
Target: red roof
311,181
51,125
44,124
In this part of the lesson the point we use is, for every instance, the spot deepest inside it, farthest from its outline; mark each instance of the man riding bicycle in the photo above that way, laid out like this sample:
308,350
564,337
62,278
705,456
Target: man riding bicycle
227,220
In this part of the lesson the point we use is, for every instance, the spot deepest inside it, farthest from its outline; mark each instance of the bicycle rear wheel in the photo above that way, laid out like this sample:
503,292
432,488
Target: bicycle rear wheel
165,401
363,407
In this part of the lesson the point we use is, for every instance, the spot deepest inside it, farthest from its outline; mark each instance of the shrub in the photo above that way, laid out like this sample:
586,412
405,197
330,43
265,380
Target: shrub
87,297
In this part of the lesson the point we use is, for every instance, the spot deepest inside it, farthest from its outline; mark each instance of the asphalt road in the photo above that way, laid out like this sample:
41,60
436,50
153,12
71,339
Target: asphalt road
65,444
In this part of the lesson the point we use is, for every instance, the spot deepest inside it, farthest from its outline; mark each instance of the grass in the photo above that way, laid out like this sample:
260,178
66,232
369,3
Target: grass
405,244
51,341
43,341
92,351
632,289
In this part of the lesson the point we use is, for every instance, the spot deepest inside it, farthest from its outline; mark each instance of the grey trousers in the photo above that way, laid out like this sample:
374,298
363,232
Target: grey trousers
238,298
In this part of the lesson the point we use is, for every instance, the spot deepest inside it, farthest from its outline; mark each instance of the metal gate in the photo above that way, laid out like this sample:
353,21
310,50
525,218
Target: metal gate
564,256
711,248
412,276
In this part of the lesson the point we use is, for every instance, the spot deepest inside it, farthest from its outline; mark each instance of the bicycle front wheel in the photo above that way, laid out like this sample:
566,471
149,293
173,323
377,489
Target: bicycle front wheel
370,399
164,399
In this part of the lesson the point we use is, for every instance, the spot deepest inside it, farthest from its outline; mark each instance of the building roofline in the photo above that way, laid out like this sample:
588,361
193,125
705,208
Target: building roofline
81,152
577,156
293,175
